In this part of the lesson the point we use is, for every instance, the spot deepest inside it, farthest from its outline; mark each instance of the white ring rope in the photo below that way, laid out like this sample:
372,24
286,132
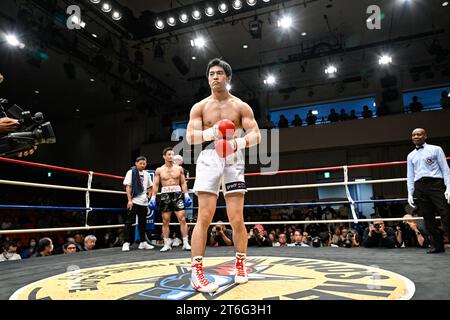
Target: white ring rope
213,223
88,200
349,196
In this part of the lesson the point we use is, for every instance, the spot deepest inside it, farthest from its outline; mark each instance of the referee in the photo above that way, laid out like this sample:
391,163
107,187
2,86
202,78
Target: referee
429,184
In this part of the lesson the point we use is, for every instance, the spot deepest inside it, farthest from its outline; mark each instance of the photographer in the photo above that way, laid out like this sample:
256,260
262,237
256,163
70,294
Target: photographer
411,233
220,236
258,237
378,235
348,239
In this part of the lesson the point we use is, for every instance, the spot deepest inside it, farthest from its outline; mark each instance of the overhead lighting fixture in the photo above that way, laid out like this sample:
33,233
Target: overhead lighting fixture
237,4
266,0
171,21
128,101
184,18
92,79
285,22
444,4
94,35
223,7
385,59
159,24
196,14
270,80
36,91
95,1
315,112
209,11
251,3
106,7
198,42
194,58
304,34
116,15
245,46
330,70
13,41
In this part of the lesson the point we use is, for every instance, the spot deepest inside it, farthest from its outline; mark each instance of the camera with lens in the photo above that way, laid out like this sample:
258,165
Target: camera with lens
255,231
316,242
218,228
347,243
377,226
32,131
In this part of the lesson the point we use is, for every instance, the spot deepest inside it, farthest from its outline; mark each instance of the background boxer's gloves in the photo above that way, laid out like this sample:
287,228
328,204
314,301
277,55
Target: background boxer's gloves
152,203
226,147
222,129
447,194
411,200
187,200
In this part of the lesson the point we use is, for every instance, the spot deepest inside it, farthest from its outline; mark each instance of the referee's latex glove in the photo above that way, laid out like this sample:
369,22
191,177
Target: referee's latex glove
411,200
447,195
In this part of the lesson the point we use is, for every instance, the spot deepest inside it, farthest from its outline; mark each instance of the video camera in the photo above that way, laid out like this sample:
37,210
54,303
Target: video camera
32,131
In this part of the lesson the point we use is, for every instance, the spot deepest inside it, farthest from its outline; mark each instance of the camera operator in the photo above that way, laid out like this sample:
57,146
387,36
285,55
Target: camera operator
220,236
378,235
8,125
411,233
258,237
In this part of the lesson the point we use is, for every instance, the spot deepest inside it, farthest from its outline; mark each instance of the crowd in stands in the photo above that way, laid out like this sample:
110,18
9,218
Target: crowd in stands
334,116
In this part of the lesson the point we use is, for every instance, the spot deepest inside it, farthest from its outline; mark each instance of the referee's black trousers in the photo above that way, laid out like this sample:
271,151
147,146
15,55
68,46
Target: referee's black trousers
429,194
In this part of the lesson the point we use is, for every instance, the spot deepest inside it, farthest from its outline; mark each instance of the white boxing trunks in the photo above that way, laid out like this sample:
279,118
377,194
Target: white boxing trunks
213,171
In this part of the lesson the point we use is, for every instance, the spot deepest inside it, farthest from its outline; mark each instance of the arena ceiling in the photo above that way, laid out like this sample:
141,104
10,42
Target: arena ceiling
323,32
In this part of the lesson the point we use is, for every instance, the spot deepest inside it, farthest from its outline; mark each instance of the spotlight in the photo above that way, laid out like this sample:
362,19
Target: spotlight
304,34
285,22
245,46
209,11
159,24
385,59
171,21
444,4
95,1
270,80
106,7
251,3
223,7
198,42
196,14
194,58
116,15
330,70
184,18
237,4
266,0
92,80
94,35
13,41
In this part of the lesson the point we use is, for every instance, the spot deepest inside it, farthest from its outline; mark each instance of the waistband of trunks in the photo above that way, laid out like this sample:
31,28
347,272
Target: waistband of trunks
168,189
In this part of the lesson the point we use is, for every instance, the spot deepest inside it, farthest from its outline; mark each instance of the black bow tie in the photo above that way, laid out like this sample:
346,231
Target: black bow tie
419,147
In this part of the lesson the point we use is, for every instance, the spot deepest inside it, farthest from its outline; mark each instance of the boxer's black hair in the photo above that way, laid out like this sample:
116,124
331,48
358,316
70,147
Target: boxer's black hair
141,158
221,63
167,150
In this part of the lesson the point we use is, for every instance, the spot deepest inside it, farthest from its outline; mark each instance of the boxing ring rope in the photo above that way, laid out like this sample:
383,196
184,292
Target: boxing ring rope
89,189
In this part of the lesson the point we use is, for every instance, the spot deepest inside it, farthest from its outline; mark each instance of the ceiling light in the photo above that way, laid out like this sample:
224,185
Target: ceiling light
285,22
198,42
237,4
196,14
116,15
159,24
223,7
444,4
245,46
92,79
385,59
171,21
36,91
106,7
304,34
209,11
194,58
270,80
95,1
94,35
331,69
251,3
184,18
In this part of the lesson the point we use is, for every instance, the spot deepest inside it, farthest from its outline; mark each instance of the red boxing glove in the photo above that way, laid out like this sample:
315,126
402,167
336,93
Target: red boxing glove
226,128
226,147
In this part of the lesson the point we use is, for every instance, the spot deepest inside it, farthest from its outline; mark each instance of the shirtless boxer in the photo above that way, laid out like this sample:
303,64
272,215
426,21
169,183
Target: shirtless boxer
172,199
216,118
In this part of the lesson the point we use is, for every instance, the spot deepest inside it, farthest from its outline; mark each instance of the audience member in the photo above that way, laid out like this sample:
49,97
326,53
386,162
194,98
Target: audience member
415,106
367,113
352,115
44,247
411,233
283,122
89,242
298,240
268,124
220,235
333,116
30,250
445,100
9,252
257,236
297,122
311,118
69,247
344,115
